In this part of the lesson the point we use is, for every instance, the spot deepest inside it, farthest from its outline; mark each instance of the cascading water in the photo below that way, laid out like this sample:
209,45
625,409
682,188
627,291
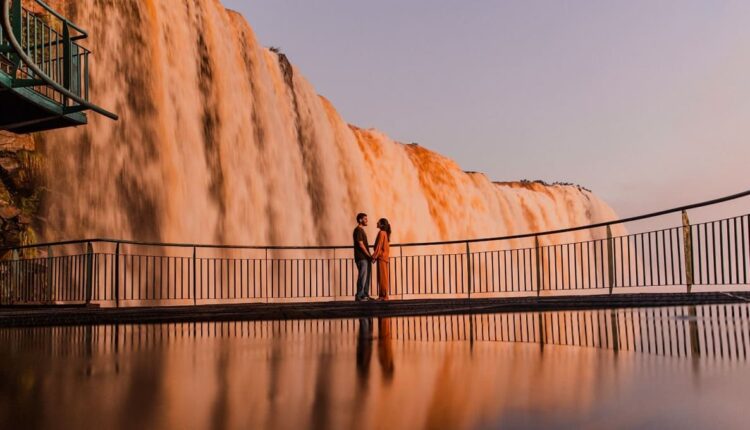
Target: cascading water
223,141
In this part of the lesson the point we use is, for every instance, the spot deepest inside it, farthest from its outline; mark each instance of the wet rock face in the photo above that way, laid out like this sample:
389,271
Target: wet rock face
20,188
15,142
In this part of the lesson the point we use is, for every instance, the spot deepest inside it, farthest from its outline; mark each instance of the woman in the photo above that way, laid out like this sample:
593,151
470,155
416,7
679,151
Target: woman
380,255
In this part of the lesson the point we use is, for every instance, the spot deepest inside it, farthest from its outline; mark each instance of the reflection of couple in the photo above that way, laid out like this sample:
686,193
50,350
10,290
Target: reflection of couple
364,348
364,259
365,340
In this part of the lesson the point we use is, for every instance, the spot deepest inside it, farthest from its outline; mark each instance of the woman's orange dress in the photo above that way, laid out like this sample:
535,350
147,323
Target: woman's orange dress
381,255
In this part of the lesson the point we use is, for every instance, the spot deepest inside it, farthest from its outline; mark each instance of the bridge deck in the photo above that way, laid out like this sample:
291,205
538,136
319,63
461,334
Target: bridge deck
82,315
24,110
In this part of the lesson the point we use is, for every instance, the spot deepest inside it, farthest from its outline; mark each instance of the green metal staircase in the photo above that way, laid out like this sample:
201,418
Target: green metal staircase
44,71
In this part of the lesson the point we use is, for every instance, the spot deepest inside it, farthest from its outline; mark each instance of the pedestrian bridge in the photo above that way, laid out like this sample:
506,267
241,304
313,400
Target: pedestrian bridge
683,257
44,70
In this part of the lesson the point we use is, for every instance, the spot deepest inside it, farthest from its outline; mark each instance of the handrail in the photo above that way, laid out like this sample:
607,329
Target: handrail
56,14
403,245
8,28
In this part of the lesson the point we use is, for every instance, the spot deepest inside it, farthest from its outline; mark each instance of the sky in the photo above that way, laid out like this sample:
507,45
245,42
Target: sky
647,103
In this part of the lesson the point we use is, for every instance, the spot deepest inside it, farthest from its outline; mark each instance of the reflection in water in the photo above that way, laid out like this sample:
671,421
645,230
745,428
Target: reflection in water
364,354
364,350
385,348
322,400
711,331
557,368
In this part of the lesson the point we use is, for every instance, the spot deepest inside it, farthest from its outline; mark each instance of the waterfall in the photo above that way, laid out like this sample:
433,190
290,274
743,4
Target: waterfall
224,141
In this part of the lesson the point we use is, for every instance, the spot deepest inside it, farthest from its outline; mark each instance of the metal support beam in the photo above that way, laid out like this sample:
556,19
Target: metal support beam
67,110
469,269
687,238
401,263
16,125
538,256
24,83
67,61
50,287
89,272
265,265
15,276
195,279
610,259
331,286
116,283
16,22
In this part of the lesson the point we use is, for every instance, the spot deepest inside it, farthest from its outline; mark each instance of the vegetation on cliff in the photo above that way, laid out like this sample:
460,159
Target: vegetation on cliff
21,189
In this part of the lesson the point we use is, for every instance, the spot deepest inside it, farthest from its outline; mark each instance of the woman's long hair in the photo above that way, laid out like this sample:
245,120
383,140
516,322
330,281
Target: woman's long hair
384,225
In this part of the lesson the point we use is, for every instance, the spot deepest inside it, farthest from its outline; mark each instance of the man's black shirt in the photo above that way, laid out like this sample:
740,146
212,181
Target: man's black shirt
360,236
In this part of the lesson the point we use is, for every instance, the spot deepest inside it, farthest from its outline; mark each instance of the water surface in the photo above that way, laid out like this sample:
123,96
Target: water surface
658,368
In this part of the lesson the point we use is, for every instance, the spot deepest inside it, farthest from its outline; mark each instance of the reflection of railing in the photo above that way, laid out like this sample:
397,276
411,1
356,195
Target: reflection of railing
714,331
135,273
39,49
719,332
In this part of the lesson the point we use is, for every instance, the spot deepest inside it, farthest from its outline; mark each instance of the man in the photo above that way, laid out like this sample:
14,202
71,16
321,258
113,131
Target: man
362,259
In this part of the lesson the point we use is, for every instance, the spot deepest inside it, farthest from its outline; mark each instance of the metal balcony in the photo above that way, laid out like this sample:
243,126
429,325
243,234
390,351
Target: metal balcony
44,71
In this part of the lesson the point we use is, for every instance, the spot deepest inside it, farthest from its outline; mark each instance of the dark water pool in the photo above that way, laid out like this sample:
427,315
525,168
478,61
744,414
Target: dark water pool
648,368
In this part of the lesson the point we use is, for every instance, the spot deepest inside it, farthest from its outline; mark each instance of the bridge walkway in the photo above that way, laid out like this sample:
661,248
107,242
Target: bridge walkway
86,315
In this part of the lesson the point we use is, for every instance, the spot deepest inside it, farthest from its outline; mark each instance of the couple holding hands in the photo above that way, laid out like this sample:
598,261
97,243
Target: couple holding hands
364,259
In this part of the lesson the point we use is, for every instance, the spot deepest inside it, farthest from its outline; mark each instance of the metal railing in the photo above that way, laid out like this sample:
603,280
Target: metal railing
131,273
39,48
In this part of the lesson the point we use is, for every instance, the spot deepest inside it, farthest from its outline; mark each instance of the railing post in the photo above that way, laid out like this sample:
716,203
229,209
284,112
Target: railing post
15,275
16,21
401,267
89,272
610,259
50,287
332,287
268,289
117,275
85,77
469,269
67,60
537,252
687,236
195,278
